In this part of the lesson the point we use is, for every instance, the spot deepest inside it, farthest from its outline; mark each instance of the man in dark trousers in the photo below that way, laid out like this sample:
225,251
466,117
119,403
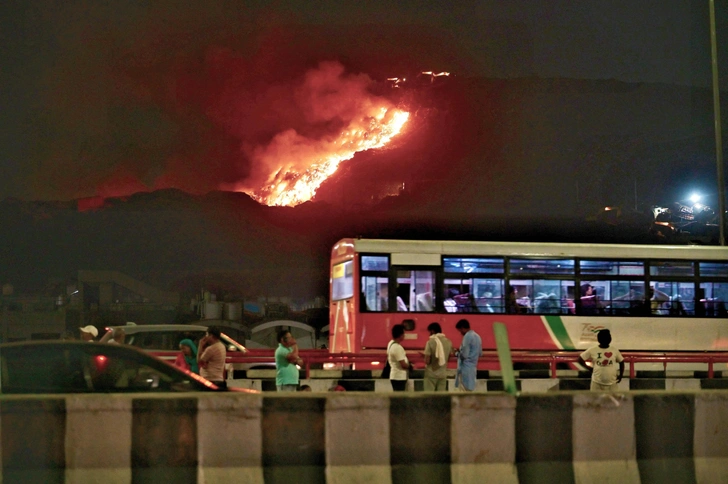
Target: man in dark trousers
397,360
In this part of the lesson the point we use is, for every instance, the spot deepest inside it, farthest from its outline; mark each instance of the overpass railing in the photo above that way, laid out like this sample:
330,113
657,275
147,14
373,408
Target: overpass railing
490,357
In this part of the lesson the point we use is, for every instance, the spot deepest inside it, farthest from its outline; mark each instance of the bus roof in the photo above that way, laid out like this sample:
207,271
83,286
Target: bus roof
535,249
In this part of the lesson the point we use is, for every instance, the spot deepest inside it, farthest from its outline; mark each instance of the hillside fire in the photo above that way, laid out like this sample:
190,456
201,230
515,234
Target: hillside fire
290,185
329,116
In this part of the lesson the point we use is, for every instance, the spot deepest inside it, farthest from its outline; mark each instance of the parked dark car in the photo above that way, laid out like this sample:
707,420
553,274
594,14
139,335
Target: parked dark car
83,367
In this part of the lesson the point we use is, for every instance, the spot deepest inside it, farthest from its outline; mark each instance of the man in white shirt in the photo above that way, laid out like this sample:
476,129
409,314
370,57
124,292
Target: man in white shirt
397,359
437,352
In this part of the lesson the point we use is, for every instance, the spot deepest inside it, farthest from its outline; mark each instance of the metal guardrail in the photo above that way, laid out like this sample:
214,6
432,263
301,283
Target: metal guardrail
631,358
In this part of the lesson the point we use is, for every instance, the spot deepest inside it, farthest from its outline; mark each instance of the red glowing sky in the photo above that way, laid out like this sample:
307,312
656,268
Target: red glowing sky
166,109
107,98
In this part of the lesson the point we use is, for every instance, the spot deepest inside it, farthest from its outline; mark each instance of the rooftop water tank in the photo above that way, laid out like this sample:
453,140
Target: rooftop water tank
213,310
233,311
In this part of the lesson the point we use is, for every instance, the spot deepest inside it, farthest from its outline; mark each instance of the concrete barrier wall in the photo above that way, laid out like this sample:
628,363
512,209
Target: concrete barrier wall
533,385
366,437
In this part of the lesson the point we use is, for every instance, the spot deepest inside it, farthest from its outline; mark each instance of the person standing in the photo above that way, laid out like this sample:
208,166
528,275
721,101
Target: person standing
286,360
397,360
211,357
187,357
470,350
604,360
437,351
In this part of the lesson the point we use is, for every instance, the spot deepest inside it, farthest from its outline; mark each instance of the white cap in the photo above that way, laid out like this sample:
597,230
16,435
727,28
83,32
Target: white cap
90,329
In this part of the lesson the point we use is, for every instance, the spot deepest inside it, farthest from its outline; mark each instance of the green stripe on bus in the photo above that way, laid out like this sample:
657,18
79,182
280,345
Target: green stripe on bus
559,330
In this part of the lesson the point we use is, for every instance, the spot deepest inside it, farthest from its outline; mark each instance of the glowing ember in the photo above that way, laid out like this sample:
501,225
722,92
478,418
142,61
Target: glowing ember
290,187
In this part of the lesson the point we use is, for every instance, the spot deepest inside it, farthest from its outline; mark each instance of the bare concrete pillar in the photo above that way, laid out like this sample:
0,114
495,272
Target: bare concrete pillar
230,438
711,437
483,439
98,439
604,446
357,439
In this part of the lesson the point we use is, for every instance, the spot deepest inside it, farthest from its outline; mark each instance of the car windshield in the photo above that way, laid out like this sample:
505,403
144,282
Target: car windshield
163,339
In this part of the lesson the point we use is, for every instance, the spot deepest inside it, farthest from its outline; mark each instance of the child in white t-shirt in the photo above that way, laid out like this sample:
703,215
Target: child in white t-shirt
605,359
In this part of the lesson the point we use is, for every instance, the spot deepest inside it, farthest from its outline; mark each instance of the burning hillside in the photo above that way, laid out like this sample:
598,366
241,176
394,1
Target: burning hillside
342,118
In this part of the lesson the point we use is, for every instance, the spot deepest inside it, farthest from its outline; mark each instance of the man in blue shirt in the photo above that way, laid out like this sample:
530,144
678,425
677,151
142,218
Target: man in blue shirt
286,360
470,351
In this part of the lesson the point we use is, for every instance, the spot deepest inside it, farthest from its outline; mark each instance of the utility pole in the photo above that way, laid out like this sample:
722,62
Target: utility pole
716,117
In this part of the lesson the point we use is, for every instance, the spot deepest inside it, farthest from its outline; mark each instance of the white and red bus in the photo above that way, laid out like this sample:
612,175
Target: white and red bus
550,296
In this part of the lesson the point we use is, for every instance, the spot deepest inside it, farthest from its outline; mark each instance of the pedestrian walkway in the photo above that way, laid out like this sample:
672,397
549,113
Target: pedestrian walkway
527,381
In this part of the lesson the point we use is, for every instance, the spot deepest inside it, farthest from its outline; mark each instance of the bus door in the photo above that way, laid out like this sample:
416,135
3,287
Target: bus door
342,308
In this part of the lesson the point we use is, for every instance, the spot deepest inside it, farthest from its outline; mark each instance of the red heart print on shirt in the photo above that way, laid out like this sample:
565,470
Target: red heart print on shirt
608,354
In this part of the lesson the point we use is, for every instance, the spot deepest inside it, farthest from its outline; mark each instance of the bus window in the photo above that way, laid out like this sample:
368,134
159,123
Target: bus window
671,268
681,299
374,263
713,297
714,269
611,268
543,296
375,293
553,296
415,291
488,295
342,286
545,266
622,298
469,265
474,295
523,290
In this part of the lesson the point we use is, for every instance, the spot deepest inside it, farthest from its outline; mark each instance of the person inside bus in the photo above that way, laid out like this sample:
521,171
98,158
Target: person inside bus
547,304
524,303
677,308
511,300
657,301
713,307
590,303
652,303
635,301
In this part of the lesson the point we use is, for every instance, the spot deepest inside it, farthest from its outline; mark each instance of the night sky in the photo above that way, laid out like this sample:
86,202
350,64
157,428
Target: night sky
112,98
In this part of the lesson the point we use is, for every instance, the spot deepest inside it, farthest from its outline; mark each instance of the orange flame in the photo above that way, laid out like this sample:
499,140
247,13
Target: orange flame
290,187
